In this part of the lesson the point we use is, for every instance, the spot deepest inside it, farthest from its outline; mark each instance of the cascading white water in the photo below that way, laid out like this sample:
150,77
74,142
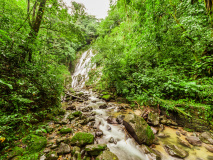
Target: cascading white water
82,69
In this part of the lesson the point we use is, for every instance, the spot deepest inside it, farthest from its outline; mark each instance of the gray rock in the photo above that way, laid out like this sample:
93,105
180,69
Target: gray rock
111,120
111,140
108,128
195,141
99,133
163,135
206,137
178,133
209,148
64,148
183,143
95,149
104,106
155,130
153,118
176,151
47,150
72,107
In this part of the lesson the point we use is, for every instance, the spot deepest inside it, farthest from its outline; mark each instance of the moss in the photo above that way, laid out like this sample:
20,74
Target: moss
77,113
17,151
188,129
150,135
82,138
65,130
105,93
35,143
71,117
95,149
106,97
107,155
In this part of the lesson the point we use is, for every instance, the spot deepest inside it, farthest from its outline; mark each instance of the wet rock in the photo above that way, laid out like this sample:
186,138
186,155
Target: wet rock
53,146
107,155
176,151
183,143
153,155
161,127
111,140
99,133
72,107
153,118
155,130
156,141
195,141
112,120
95,149
183,133
42,157
108,128
163,119
138,129
75,149
86,109
91,123
206,137
64,148
92,114
163,135
82,138
65,130
52,156
47,150
63,121
104,106
174,127
59,140
91,118
120,118
209,148
178,133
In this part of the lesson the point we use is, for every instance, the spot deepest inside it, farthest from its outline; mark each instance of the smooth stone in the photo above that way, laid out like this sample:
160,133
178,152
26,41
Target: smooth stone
206,137
176,151
153,118
111,140
163,135
178,133
107,155
183,143
64,148
209,148
195,141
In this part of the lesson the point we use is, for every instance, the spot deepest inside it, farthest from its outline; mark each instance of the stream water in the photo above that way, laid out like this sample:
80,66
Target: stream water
124,146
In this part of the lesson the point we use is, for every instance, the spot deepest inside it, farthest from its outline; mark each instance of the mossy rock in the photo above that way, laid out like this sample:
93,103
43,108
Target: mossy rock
17,151
138,129
95,149
65,130
106,97
82,139
35,143
77,113
104,93
71,117
107,155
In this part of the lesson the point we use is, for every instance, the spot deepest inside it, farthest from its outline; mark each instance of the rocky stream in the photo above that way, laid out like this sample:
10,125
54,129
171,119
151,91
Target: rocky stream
93,126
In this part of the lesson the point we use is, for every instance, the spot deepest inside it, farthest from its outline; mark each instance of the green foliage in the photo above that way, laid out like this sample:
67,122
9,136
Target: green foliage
34,65
158,50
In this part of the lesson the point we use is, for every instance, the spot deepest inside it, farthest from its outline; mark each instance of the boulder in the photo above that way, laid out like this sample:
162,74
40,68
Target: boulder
52,156
195,141
112,120
64,148
206,137
163,135
153,118
183,143
209,148
107,155
82,139
152,153
176,151
95,149
35,143
104,106
138,129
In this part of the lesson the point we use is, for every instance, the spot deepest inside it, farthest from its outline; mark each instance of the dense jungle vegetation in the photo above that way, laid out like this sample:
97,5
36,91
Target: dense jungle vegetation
38,43
159,52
